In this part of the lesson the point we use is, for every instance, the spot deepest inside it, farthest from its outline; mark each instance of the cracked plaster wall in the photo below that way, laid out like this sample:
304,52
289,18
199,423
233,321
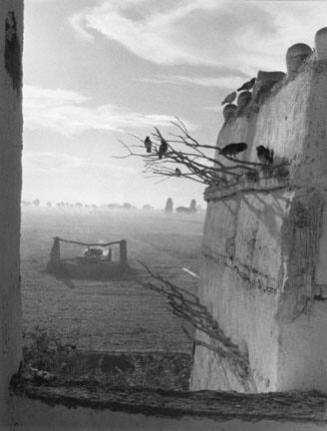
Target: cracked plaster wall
264,255
10,188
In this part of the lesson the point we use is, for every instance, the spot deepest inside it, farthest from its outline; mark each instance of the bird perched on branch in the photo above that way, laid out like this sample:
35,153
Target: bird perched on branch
233,149
163,148
265,155
178,172
229,98
247,85
148,144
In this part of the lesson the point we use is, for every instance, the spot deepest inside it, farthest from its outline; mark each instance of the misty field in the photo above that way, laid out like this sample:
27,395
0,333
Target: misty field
109,315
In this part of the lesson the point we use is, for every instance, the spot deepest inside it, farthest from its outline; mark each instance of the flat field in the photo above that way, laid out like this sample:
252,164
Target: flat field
109,315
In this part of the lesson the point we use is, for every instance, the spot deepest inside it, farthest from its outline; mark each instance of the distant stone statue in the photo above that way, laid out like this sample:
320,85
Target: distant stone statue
169,206
193,206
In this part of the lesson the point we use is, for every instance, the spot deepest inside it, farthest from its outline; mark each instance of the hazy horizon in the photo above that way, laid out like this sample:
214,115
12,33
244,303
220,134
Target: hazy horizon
96,71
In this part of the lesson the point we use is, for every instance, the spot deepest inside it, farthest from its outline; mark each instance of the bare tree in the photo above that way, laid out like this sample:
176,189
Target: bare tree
182,155
188,307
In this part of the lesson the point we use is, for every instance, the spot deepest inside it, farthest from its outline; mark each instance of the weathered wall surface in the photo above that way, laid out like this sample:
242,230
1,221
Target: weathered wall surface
264,274
239,130
11,31
33,415
302,358
282,120
239,282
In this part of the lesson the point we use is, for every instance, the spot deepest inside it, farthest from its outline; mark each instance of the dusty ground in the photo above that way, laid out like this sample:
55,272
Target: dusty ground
109,315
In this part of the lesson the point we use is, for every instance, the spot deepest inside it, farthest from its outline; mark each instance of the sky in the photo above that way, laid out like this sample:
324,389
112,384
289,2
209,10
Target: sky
99,71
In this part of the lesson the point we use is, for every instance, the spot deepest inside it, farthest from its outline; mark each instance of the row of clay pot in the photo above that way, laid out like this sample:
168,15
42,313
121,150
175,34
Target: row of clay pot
295,57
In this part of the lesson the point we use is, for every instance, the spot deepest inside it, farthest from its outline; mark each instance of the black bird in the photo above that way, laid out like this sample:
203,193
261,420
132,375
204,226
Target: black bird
233,149
148,144
163,148
229,98
265,155
247,85
178,172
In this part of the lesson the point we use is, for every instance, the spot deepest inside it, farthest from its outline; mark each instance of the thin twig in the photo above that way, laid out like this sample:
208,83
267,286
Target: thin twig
187,152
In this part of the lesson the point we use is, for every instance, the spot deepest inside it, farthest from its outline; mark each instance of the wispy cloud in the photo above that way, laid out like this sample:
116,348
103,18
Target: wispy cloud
203,81
68,113
142,26
190,31
245,34
80,25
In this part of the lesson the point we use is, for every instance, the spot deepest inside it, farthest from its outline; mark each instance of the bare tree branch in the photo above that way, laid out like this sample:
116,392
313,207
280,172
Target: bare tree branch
192,158
187,306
